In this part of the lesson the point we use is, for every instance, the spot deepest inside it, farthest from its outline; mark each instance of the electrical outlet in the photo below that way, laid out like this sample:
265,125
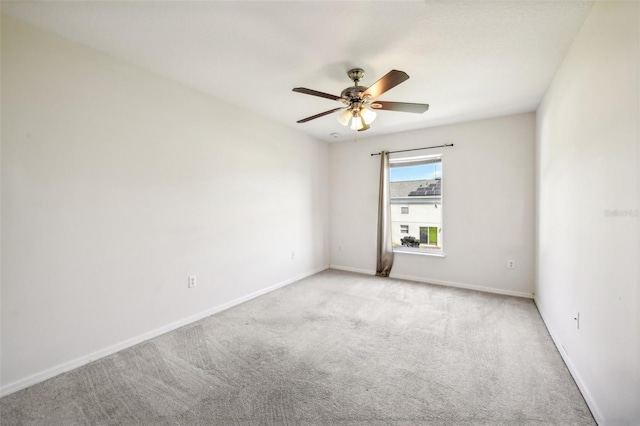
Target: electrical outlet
511,264
192,281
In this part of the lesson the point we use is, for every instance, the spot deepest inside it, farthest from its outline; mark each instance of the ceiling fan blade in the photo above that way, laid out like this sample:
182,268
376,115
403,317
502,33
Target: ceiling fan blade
400,106
389,81
313,117
316,93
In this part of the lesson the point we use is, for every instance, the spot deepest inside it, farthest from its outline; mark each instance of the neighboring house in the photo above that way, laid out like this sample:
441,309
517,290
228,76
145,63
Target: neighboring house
416,211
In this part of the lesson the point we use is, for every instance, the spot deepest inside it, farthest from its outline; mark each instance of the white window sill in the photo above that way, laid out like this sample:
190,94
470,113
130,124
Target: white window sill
420,252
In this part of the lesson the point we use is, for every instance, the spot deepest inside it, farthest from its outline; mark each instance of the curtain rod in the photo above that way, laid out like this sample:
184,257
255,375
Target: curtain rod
415,149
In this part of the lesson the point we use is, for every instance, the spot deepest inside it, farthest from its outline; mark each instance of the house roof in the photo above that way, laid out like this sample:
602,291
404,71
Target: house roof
416,188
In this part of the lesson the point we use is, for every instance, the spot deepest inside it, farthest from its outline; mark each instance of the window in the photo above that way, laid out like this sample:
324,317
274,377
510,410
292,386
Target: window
415,189
429,235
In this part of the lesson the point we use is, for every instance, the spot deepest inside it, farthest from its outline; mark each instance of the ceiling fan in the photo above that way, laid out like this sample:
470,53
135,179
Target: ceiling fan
359,101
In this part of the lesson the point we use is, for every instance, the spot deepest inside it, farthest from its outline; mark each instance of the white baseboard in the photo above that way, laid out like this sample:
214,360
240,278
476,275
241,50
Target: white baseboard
465,286
86,359
349,269
439,282
574,373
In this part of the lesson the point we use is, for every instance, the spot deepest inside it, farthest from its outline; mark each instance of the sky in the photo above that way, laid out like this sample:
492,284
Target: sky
425,171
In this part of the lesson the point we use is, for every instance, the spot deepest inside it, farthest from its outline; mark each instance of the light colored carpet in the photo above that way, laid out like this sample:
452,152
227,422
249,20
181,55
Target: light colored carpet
336,348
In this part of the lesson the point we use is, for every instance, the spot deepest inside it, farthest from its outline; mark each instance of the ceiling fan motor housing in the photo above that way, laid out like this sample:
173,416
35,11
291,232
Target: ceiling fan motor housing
352,93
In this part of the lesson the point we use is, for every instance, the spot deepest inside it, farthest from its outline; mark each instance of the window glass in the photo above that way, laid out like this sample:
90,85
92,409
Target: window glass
415,189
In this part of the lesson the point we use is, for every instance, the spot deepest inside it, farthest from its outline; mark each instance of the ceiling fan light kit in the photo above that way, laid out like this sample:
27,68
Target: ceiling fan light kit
344,117
358,100
368,115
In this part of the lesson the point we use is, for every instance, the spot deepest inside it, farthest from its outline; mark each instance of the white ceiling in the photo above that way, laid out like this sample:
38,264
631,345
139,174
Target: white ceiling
467,59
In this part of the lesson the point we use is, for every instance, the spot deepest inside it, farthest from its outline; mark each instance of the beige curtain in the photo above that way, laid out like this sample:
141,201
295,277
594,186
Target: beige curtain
385,249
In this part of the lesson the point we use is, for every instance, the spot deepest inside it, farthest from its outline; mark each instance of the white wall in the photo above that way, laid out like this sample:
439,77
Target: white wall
588,162
489,196
117,184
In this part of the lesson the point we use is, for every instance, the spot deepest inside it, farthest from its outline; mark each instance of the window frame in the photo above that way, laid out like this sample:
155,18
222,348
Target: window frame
416,160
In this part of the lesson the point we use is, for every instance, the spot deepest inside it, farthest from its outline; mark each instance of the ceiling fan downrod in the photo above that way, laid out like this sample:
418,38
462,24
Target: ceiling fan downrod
353,94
